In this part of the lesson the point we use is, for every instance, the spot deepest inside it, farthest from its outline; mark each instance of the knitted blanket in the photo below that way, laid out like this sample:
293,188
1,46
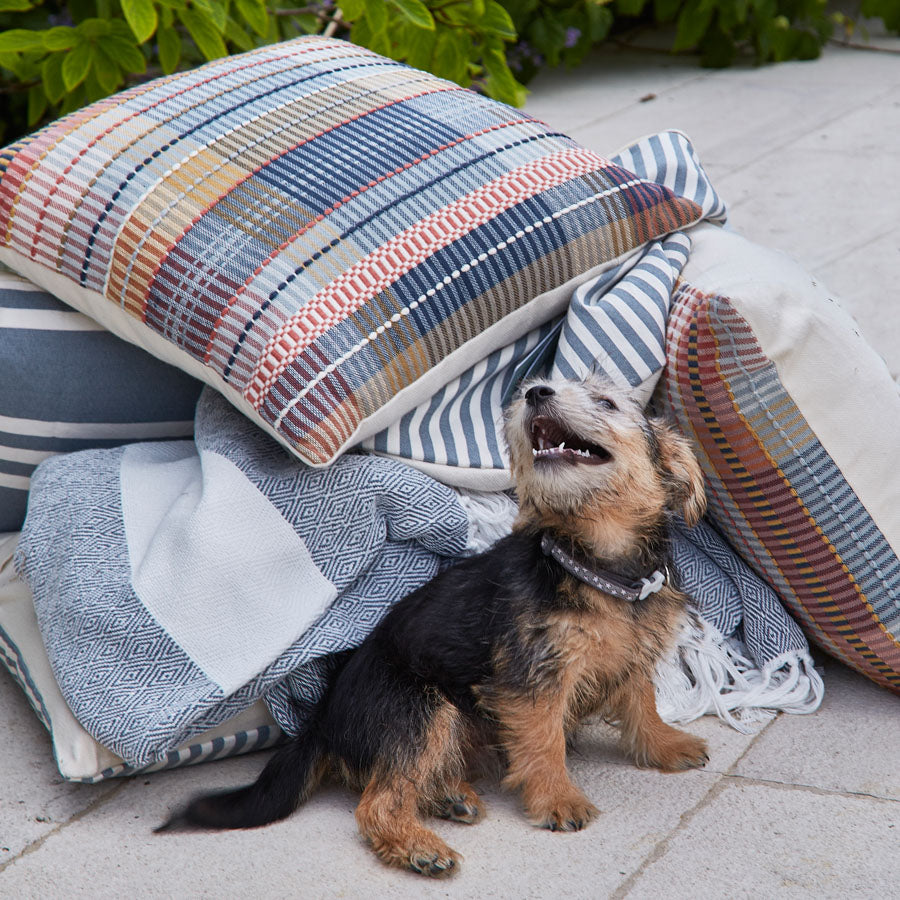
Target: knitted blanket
177,582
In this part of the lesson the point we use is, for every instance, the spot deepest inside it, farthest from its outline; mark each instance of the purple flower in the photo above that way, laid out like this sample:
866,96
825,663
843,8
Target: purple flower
572,36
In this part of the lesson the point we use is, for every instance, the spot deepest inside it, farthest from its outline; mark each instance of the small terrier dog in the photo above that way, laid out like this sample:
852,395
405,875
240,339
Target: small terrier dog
565,617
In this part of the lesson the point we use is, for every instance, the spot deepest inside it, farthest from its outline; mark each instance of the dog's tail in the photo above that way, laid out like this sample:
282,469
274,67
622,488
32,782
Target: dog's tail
286,782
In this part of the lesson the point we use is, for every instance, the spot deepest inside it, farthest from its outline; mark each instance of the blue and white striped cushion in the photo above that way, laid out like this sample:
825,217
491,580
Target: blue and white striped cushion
68,384
615,324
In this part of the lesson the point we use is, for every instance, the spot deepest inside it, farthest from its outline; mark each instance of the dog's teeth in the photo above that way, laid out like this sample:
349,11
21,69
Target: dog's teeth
562,445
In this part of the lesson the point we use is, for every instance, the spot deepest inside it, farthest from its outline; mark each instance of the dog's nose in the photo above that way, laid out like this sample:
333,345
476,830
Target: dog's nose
538,394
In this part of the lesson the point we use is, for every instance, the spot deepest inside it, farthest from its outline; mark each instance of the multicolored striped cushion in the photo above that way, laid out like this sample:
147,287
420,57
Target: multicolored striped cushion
67,384
325,235
797,424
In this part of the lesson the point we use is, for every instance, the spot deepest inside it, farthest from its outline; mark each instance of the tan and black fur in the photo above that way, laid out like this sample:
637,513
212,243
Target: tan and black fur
507,649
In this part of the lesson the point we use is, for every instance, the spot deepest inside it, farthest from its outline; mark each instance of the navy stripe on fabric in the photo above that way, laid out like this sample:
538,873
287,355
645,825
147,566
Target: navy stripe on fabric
219,115
13,298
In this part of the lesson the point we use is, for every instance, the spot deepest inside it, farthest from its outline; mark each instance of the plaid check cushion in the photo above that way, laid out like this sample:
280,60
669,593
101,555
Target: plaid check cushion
796,421
324,235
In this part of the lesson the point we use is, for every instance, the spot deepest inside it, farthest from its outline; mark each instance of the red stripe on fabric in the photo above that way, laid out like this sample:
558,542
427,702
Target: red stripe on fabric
823,592
164,254
58,132
356,286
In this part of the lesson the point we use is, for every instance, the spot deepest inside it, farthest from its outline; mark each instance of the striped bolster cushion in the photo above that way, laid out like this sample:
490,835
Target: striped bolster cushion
67,384
797,423
326,236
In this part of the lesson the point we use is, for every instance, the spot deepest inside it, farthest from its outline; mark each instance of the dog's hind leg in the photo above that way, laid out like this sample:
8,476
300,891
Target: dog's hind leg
388,814
649,740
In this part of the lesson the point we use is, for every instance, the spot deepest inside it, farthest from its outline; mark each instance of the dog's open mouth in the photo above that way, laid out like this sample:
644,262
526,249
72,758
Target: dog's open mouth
551,441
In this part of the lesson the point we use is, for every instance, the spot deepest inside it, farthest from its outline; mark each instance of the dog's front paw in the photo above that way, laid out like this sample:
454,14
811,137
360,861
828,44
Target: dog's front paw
571,813
422,851
681,751
434,863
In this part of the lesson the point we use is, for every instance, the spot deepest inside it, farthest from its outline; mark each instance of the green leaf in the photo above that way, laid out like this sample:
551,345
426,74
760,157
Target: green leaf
452,53
37,104
417,45
887,10
237,35
120,29
600,20
416,12
73,100
549,36
92,29
254,13
106,70
630,7
666,10
377,16
307,23
361,33
80,10
352,10
380,43
500,83
214,11
21,41
497,20
76,65
205,34
92,88
169,42
141,17
60,38
14,5
692,25
124,52
51,75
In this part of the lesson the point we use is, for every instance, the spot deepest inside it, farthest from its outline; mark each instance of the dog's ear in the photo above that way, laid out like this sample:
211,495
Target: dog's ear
681,472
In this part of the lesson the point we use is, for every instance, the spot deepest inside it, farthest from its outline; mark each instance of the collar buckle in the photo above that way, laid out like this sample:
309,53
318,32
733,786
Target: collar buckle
653,584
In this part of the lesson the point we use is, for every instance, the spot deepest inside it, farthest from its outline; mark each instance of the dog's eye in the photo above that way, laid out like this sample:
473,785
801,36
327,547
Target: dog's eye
606,403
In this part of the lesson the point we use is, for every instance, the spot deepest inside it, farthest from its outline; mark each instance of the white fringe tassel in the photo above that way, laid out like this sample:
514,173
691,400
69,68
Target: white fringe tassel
710,674
491,516
707,673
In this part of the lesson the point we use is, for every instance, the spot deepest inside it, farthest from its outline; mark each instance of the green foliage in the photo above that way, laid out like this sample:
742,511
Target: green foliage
56,57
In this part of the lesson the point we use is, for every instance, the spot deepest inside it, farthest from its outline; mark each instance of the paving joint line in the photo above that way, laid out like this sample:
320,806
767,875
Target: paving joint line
661,847
61,826
810,788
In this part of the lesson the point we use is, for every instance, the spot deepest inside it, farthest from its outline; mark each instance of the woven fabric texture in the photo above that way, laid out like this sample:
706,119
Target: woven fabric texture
794,419
324,235
58,393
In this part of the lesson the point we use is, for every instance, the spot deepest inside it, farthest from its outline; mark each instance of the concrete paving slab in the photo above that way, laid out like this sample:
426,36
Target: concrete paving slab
318,853
34,800
758,840
851,744
777,104
865,281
